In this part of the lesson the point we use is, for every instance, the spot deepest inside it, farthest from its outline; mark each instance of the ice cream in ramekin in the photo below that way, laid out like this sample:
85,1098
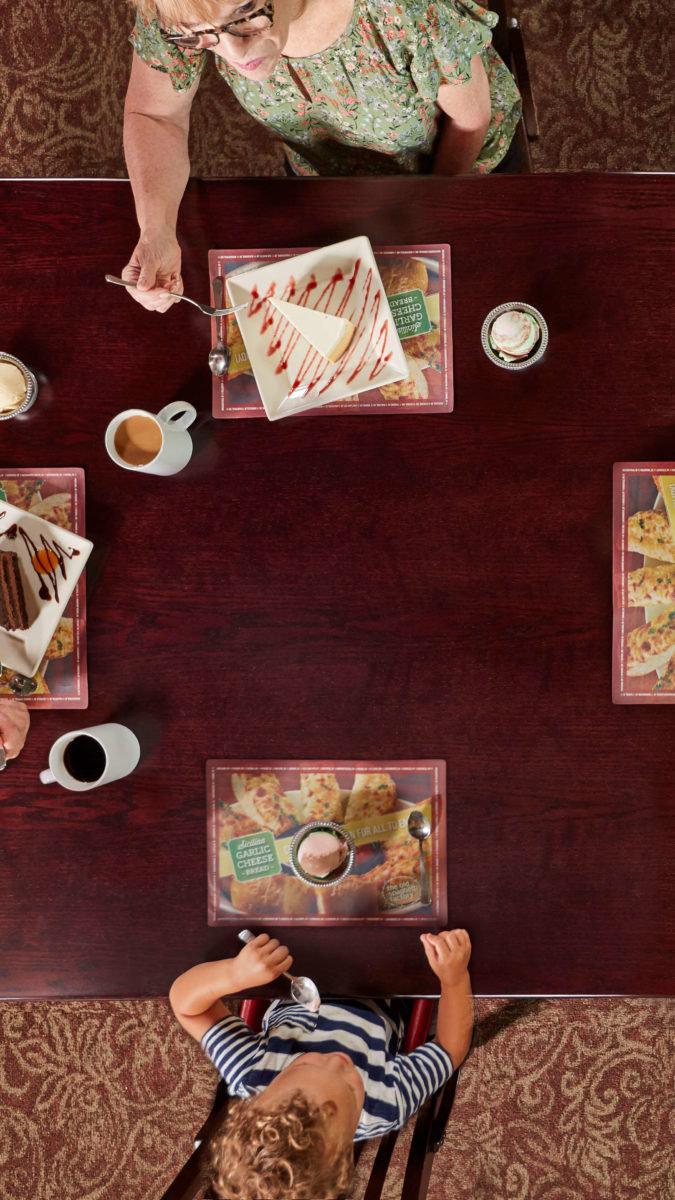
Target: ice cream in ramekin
18,387
514,335
322,853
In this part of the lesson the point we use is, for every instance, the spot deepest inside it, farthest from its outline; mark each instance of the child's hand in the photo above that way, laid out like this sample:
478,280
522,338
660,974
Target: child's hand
448,955
261,961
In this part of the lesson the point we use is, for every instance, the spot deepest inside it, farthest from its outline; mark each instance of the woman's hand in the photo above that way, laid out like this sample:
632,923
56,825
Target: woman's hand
448,955
14,722
155,267
261,961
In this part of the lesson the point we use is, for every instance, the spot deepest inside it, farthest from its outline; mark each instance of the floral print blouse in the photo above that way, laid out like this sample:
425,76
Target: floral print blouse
367,104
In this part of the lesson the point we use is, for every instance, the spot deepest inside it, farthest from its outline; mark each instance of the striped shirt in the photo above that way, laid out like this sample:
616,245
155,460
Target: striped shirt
370,1032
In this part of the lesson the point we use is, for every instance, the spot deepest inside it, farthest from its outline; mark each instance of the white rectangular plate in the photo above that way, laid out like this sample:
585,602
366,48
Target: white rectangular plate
341,279
23,649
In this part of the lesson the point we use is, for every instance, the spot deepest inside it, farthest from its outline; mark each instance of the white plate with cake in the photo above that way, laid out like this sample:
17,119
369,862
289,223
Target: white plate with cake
317,327
40,563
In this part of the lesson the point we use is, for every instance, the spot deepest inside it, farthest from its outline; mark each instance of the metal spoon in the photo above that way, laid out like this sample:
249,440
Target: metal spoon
420,828
219,355
205,308
303,990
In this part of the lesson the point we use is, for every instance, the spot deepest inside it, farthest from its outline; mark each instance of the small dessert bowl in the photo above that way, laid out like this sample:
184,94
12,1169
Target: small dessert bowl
31,388
517,364
343,843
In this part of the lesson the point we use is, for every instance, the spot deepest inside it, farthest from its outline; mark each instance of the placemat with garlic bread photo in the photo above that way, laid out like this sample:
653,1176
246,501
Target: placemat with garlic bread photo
644,583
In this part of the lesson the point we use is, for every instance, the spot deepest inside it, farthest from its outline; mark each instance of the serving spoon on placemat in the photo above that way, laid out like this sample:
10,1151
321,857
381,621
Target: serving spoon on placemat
303,990
219,355
420,828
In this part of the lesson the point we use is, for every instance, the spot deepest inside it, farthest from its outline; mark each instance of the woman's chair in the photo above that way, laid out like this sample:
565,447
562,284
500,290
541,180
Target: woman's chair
428,1135
507,40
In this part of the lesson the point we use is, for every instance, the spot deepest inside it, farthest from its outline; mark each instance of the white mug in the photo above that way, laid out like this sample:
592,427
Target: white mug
165,446
87,758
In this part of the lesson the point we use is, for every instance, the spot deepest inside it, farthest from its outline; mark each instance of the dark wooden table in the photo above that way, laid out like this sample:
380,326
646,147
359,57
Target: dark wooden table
413,586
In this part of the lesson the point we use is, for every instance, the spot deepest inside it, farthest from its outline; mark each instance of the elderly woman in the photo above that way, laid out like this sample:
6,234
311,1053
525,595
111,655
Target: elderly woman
353,87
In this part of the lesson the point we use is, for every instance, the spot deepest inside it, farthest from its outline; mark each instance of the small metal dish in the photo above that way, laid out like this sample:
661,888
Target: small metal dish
523,362
340,872
31,386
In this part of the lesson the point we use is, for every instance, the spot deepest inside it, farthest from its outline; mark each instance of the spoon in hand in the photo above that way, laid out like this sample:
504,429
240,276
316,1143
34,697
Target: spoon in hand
420,828
219,355
303,990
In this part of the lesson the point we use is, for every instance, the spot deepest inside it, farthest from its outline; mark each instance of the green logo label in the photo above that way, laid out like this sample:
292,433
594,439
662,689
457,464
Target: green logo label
254,856
410,313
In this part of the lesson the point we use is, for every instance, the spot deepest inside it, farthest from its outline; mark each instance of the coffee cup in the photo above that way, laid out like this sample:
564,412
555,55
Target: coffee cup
87,758
157,443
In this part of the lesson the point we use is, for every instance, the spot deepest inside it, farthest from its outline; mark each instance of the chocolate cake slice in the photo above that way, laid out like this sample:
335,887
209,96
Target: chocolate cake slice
13,613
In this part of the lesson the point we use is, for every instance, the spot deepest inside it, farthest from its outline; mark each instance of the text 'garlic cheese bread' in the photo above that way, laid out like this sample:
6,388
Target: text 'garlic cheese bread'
650,533
651,646
650,585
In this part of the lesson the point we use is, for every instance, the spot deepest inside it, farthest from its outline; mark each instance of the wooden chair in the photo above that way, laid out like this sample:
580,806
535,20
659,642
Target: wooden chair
507,40
428,1135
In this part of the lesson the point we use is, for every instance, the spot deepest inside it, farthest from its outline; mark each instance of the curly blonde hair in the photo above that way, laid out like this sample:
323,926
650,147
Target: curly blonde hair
171,13
283,1153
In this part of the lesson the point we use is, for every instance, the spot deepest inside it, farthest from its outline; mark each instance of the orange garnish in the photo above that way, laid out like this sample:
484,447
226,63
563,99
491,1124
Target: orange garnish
45,562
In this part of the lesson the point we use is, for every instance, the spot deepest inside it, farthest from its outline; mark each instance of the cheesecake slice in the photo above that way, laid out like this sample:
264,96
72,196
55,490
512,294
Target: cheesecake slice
328,334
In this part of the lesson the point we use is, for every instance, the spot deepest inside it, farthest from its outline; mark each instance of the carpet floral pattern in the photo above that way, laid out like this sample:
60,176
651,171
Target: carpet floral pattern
560,1100
603,78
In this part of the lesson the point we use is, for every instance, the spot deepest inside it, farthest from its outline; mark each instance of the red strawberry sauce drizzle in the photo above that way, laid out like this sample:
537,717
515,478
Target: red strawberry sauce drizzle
314,364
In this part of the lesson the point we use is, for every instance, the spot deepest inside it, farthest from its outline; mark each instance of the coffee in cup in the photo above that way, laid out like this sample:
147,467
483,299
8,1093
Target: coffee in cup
138,440
158,444
88,758
85,759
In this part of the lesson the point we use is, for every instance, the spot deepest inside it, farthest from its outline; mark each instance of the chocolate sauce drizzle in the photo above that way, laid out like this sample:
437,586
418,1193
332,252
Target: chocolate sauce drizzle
49,550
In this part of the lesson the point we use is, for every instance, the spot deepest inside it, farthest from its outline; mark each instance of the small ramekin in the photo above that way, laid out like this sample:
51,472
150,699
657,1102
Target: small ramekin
336,876
31,387
519,365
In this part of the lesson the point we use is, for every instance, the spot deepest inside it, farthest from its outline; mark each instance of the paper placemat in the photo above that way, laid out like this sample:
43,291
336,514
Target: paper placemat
254,809
57,495
643,654
416,280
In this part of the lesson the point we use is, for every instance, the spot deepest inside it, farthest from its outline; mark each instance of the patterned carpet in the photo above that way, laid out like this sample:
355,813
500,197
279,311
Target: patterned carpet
560,1100
603,77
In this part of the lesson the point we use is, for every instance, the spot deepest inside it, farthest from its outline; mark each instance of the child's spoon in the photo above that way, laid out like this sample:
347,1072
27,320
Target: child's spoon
303,990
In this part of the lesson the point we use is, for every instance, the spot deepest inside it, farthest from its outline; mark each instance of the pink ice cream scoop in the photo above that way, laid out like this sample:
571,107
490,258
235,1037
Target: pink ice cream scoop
514,334
321,853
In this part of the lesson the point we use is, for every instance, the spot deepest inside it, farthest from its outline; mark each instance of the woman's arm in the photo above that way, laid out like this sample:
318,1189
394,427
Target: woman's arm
195,995
156,125
467,109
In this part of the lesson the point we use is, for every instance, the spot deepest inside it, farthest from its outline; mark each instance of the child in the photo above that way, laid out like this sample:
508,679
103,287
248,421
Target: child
312,1083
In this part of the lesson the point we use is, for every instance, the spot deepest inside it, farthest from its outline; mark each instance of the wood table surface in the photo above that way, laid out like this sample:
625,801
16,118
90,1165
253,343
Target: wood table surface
358,587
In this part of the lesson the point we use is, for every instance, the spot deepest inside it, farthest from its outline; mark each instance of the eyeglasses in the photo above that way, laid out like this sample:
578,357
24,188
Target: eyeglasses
205,39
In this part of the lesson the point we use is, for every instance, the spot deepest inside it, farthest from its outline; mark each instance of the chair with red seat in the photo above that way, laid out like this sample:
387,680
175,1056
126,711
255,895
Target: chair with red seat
428,1135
